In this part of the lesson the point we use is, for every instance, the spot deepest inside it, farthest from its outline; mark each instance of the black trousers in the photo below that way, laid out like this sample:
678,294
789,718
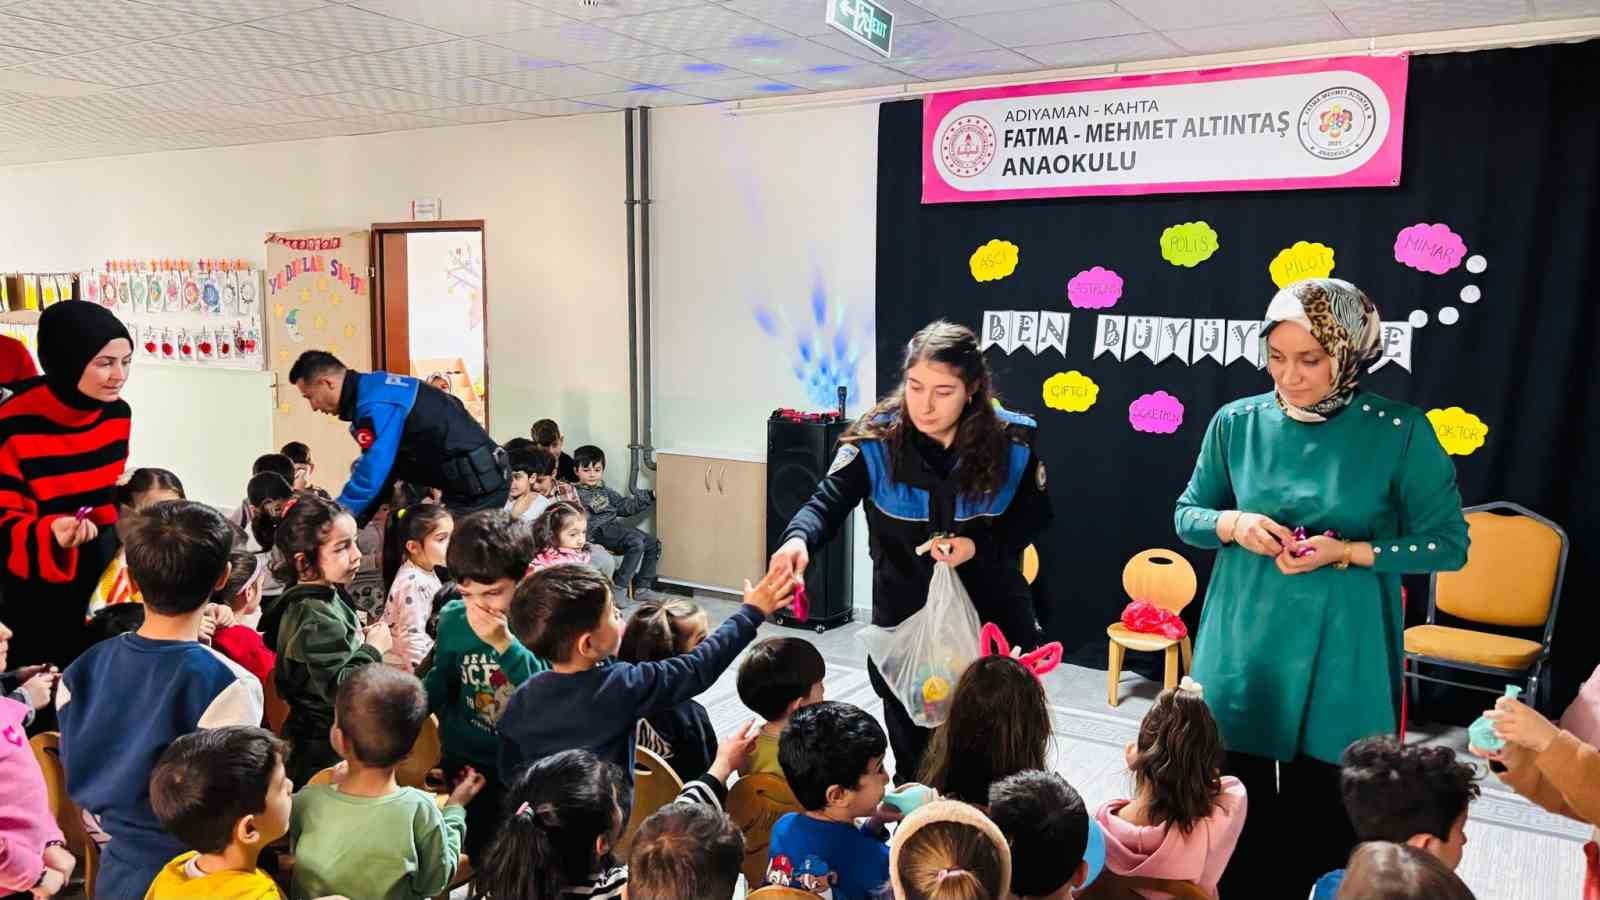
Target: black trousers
908,739
1295,831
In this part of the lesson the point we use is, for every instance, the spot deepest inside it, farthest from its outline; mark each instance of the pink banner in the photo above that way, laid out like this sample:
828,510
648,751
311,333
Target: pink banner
1324,123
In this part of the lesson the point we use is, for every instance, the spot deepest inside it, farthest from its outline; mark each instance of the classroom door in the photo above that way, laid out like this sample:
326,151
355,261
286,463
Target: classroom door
318,297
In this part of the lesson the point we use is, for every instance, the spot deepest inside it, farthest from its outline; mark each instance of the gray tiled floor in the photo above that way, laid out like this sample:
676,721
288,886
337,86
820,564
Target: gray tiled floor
1516,851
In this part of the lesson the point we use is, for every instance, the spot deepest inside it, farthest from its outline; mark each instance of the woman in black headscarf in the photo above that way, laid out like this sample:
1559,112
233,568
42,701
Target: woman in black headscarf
63,446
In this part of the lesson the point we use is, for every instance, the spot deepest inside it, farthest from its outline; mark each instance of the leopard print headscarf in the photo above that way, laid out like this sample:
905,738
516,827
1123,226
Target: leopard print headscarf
1344,321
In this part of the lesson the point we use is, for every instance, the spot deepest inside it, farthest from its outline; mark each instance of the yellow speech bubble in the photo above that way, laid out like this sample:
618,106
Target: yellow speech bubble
1188,244
1303,260
1070,391
1459,431
993,261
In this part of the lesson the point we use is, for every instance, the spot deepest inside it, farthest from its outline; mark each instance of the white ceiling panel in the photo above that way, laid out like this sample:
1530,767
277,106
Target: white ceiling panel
568,44
159,57
9,97
1100,51
353,29
738,88
472,92
808,17
292,81
430,62
1565,9
390,122
970,65
308,108
139,21
1250,35
87,67
665,68
467,18
478,115
1166,16
388,100
954,9
924,41
861,75
611,9
566,81
698,28
253,47
48,37
197,94
236,11
1078,21
659,98
775,57
557,108
19,54
1430,15
207,120
76,110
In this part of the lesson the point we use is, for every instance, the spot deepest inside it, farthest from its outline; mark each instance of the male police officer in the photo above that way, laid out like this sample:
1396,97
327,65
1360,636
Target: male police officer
407,431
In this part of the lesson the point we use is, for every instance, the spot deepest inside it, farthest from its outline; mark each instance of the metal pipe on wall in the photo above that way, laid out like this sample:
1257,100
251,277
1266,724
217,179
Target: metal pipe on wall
629,202
647,451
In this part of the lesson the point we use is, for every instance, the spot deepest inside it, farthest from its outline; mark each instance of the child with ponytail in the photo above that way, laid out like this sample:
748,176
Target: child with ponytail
949,850
682,735
566,817
1185,816
416,541
561,537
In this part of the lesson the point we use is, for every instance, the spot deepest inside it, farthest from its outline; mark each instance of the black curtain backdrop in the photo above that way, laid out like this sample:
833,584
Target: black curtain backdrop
1503,146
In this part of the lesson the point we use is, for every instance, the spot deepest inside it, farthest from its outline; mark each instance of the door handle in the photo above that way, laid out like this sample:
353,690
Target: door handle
708,479
720,476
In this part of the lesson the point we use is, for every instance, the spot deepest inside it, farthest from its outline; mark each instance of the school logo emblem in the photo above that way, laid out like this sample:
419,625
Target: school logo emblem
967,146
1337,123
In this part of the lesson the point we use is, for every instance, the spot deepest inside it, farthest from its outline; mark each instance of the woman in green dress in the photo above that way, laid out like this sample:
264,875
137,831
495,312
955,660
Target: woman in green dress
1300,642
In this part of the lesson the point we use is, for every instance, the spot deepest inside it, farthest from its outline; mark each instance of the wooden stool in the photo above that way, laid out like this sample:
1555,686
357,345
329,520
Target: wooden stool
1163,579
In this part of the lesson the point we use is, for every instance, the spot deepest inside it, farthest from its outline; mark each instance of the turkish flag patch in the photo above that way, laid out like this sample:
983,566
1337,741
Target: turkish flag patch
364,438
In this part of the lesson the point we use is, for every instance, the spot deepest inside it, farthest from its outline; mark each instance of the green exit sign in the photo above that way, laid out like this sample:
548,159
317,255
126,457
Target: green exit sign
865,21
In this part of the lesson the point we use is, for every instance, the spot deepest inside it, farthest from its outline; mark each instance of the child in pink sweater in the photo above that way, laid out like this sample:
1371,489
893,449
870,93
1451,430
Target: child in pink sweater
33,855
1185,817
561,537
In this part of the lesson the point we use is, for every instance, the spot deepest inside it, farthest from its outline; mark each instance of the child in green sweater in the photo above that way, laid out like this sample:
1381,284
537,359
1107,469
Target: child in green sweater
364,835
319,640
477,662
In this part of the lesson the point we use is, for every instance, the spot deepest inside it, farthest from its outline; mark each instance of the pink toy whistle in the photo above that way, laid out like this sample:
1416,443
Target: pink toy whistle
83,512
1300,535
800,606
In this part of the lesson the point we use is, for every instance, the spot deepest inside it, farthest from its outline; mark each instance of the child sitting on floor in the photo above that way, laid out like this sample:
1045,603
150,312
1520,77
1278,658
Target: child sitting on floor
1411,795
124,700
1047,826
564,815
533,477
318,638
241,593
566,615
33,854
608,512
222,792
1185,816
420,536
682,735
948,850
365,836
777,677
561,537
1380,870
832,755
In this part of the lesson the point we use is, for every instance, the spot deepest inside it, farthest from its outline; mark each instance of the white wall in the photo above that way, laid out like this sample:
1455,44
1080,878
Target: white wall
549,190
761,221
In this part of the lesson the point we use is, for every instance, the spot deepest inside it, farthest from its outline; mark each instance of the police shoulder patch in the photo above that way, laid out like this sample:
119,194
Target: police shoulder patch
847,453
364,434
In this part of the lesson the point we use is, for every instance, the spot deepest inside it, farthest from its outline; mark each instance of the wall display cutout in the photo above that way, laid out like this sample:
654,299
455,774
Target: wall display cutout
176,310
1189,244
1429,248
1096,288
993,261
1072,392
1304,259
1460,433
1031,330
1156,413
36,290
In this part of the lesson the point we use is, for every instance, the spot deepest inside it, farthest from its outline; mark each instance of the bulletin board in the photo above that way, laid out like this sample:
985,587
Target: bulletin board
317,298
1124,323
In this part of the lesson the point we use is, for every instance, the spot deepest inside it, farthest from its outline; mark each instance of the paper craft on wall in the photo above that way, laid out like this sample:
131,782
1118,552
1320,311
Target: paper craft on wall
1460,432
1429,248
1302,260
994,260
1157,413
178,310
1189,244
1395,341
1032,330
1070,391
33,290
1096,288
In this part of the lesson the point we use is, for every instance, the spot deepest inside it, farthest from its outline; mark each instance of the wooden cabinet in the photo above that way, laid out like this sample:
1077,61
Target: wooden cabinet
711,518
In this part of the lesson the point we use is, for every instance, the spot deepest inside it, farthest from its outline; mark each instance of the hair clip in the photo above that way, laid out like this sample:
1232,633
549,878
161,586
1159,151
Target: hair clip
1190,686
1040,661
947,873
402,513
289,504
525,810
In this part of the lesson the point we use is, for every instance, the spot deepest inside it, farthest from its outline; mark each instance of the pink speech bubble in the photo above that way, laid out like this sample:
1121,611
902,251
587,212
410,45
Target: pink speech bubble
1158,413
1096,288
1429,248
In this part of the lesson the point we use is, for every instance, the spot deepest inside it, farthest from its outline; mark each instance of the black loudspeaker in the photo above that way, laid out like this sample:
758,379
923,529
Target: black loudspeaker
798,455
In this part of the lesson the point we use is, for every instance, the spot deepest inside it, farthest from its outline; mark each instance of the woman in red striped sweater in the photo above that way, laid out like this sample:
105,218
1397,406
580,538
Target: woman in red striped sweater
63,445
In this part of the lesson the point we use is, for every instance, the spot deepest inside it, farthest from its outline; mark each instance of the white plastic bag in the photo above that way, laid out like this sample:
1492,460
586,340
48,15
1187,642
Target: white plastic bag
922,658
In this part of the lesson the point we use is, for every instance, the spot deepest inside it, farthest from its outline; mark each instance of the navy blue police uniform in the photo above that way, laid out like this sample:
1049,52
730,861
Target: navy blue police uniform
908,500
412,431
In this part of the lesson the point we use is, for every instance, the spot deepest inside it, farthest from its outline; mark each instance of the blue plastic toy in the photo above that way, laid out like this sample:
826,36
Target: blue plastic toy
1481,734
1094,853
908,797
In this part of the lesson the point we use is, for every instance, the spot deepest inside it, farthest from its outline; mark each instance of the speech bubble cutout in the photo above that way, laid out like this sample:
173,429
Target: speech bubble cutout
994,260
1070,391
1303,260
1459,431
1188,244
1096,288
1158,413
1429,248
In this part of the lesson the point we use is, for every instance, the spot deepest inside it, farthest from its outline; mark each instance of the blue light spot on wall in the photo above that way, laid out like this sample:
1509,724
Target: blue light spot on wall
773,87
830,70
704,68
